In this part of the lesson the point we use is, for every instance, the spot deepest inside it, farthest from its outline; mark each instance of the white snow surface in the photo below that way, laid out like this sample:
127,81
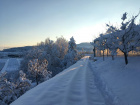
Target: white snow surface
120,82
73,86
90,83
12,64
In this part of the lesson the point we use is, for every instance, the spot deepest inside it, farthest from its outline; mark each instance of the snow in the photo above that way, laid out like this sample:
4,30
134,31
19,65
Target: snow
2,63
119,81
108,82
73,86
12,64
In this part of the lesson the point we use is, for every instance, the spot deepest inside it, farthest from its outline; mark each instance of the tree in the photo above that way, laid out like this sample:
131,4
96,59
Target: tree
7,90
23,84
38,69
94,49
10,91
62,47
100,43
34,53
127,36
71,57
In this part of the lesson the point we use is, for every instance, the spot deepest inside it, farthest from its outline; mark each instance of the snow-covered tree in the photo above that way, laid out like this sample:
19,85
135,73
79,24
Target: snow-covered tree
7,90
54,52
38,69
111,40
100,43
111,45
10,91
34,53
62,47
128,35
23,84
71,56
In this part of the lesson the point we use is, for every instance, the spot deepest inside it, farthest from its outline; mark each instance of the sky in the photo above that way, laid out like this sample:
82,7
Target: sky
28,22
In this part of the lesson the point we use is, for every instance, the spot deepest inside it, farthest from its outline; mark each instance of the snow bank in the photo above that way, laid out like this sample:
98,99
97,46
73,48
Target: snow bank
120,81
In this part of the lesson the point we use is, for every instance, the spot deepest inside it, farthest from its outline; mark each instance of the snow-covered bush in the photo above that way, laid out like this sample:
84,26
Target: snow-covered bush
7,91
23,84
10,91
38,69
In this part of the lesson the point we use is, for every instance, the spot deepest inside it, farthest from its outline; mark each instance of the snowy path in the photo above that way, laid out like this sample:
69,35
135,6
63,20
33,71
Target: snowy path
73,86
11,64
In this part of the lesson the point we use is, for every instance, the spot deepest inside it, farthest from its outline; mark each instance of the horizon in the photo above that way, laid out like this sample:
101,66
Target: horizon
1,49
26,23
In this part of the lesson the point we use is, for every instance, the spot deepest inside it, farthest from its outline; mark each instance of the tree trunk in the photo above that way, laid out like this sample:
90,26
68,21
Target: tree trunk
100,53
103,55
112,57
125,57
37,79
107,52
94,52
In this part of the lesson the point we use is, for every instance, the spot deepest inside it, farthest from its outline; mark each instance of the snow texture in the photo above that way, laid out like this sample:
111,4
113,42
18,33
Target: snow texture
73,86
12,64
118,82
90,83
2,63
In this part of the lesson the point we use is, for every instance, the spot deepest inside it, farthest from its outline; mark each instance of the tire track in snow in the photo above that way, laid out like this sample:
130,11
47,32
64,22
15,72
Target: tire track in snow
109,96
94,95
76,89
82,89
74,86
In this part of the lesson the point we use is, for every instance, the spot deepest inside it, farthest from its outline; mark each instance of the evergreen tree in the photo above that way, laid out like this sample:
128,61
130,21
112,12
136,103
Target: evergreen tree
72,56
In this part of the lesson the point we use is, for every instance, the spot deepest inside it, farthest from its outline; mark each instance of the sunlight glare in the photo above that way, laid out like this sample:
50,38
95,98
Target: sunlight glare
87,34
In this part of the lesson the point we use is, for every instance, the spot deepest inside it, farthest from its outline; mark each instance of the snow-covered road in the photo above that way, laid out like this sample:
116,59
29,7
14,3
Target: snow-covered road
73,86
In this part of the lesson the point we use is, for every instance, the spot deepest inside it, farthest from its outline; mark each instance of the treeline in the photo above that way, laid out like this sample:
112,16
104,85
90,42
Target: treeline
59,54
126,38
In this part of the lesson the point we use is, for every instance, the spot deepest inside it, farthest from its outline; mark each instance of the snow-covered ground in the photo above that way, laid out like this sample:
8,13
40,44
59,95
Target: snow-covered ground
90,83
73,86
2,63
11,64
119,82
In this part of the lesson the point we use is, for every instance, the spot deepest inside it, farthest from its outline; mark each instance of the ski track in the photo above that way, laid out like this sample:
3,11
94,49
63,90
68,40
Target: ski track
73,86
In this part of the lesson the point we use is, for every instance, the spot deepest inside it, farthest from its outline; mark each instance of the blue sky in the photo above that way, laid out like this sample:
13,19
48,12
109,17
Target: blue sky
27,22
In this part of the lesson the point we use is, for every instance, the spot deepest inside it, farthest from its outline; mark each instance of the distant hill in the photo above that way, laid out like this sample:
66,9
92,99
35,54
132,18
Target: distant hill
17,49
14,52
85,46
